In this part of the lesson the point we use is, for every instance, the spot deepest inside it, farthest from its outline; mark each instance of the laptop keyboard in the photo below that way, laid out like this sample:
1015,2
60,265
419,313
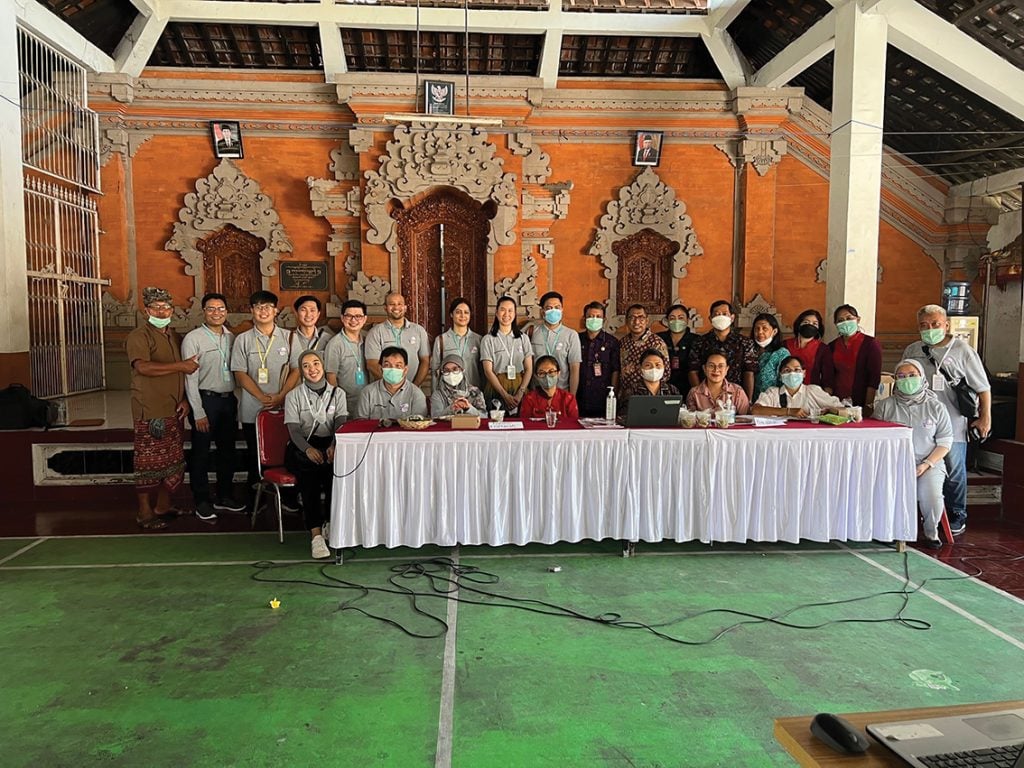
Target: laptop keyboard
992,757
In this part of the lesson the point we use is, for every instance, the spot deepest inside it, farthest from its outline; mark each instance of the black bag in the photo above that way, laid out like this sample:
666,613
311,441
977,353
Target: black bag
20,410
966,398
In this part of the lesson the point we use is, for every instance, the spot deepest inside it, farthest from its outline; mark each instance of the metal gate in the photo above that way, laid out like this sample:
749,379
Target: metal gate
65,308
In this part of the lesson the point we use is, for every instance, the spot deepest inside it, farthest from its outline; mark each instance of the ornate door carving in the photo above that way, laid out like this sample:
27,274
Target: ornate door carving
645,271
445,229
231,265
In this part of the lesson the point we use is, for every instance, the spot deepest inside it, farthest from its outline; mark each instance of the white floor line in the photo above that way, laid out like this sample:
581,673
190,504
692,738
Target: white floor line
443,754
13,555
944,602
953,569
163,535
83,566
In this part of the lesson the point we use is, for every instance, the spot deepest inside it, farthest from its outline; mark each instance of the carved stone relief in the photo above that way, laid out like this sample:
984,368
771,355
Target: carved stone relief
227,196
120,141
758,305
821,273
646,204
762,154
522,287
550,201
344,165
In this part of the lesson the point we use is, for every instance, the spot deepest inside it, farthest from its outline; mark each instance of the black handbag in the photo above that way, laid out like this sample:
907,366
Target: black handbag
966,398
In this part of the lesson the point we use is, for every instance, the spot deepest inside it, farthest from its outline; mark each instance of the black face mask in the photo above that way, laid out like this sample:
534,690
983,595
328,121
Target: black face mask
809,331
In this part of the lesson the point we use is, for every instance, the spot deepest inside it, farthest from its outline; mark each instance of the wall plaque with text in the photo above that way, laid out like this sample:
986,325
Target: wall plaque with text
303,276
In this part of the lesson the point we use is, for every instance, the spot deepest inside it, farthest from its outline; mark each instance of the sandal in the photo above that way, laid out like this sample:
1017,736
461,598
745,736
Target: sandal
151,524
172,513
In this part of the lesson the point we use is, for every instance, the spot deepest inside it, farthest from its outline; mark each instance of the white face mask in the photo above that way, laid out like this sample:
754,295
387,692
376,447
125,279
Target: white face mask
652,374
452,379
764,342
721,322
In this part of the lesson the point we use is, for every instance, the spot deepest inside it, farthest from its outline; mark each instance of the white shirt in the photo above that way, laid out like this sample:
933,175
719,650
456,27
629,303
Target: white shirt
807,396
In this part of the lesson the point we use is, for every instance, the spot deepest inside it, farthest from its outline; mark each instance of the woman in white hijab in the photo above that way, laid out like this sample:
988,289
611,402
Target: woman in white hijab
914,405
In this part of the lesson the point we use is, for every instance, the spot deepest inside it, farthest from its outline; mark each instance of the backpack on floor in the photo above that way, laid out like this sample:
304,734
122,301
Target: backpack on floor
19,409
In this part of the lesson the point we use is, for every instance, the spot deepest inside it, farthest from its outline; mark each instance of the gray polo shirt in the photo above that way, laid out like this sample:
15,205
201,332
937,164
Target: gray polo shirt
252,351
299,344
957,359
929,421
502,350
467,347
214,374
412,338
375,402
315,414
346,360
562,344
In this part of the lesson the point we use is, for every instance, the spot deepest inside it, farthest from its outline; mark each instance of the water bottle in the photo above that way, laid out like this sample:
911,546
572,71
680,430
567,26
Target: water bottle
730,406
609,406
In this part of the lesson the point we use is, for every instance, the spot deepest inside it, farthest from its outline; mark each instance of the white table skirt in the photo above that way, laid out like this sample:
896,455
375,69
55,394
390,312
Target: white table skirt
516,487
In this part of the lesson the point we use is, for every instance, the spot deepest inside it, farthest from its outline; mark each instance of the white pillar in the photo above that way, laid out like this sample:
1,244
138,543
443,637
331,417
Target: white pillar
13,278
854,197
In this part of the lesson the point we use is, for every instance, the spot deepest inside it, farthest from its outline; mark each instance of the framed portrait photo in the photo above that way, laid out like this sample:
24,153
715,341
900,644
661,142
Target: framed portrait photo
439,97
647,147
227,138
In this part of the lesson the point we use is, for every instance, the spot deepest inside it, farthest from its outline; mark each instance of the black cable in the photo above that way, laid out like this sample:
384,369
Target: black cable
362,457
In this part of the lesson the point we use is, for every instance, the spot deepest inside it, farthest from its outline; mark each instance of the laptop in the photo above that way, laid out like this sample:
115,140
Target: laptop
654,410
996,739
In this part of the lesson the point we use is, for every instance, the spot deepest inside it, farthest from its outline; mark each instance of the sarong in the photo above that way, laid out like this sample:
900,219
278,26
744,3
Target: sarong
159,460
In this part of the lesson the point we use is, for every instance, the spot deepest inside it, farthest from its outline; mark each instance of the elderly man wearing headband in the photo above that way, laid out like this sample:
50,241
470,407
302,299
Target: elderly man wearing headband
158,407
313,411
914,405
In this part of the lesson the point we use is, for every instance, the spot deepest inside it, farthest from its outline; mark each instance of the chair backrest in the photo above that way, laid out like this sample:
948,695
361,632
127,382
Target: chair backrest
271,438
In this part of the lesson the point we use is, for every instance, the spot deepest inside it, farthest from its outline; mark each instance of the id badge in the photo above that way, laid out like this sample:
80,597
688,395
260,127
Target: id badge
263,376
510,372
938,382
675,363
360,377
597,370
225,374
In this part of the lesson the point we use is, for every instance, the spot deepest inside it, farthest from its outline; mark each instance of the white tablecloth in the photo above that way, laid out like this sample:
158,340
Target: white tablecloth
515,487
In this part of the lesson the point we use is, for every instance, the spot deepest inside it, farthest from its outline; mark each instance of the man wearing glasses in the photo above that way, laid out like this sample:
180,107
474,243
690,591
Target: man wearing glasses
211,394
158,407
345,359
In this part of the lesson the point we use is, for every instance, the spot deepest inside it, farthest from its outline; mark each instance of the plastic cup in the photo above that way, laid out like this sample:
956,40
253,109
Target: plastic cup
722,418
703,418
815,415
687,419
497,416
550,418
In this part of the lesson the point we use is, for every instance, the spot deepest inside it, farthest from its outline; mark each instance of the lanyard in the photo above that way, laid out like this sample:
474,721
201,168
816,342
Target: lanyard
312,342
397,334
510,347
221,346
354,346
319,412
547,339
260,349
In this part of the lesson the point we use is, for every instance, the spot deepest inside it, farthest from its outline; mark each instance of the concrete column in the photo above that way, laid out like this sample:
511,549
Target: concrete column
14,338
858,96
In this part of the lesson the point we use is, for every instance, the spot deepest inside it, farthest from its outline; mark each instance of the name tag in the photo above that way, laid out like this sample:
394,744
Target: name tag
938,382
360,377
510,372
263,376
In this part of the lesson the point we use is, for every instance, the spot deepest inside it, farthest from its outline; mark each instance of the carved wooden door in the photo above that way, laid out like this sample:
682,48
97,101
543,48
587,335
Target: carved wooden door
645,271
445,230
231,265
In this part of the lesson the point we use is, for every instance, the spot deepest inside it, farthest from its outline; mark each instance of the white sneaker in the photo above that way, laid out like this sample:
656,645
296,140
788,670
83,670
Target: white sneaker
319,549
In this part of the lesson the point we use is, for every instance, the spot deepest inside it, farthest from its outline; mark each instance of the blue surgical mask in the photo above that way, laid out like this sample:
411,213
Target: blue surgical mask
792,379
553,316
548,382
159,322
393,375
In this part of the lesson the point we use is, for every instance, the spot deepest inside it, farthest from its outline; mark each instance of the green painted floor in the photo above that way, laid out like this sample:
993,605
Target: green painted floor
163,651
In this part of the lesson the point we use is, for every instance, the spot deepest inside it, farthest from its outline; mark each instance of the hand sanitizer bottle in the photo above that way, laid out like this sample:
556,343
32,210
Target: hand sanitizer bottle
609,406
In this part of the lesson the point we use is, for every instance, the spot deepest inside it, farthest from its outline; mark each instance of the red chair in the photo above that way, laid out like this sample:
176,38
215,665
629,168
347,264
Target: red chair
271,441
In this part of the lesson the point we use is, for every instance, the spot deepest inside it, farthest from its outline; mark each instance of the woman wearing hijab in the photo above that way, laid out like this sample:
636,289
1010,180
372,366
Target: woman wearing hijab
453,393
313,411
814,354
914,405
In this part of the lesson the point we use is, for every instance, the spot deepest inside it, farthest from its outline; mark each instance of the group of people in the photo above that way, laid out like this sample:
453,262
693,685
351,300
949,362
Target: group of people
320,379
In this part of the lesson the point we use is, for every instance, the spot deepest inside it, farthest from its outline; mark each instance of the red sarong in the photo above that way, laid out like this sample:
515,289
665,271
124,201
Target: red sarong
159,461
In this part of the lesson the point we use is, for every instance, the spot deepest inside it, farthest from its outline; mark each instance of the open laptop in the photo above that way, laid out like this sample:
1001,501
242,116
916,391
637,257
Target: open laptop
996,739
654,411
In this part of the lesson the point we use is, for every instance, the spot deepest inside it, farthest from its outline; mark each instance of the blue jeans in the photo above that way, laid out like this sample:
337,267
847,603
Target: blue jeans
954,490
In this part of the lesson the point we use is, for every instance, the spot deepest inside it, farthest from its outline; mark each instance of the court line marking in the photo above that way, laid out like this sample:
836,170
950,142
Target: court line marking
963,612
975,579
445,719
24,549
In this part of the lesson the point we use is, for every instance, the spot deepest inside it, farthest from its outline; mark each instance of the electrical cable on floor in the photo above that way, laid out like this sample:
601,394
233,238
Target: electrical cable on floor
444,577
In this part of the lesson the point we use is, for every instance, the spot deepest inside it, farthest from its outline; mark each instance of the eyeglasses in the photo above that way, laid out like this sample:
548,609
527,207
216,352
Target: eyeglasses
215,310
160,307
716,366
353,317
547,373
262,307
792,370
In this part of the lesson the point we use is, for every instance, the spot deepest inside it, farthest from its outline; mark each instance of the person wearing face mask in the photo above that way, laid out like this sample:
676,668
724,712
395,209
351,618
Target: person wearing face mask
392,396
814,354
158,407
633,347
678,339
653,379
453,392
459,340
857,358
716,391
600,367
547,395
313,412
554,339
914,405
725,339
948,361
767,338
792,397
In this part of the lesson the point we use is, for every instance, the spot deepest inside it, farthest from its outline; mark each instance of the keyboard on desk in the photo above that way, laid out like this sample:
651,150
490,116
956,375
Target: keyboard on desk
1008,756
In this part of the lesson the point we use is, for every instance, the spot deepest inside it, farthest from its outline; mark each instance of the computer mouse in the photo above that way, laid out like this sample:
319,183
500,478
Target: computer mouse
839,734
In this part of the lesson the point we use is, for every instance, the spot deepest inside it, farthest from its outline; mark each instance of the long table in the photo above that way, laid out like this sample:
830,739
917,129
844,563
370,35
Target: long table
441,486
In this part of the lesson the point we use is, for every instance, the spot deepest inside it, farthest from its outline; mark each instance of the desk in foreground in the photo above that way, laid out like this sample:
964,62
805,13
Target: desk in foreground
794,733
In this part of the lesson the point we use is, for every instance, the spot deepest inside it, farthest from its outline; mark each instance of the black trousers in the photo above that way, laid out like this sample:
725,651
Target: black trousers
313,480
222,413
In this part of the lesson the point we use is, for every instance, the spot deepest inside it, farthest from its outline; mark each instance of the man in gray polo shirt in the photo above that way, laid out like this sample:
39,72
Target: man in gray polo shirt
393,396
946,360
211,394
259,361
398,331
554,339
344,357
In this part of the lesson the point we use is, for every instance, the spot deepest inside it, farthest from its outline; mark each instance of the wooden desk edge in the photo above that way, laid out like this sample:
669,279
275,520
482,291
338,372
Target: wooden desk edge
794,734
